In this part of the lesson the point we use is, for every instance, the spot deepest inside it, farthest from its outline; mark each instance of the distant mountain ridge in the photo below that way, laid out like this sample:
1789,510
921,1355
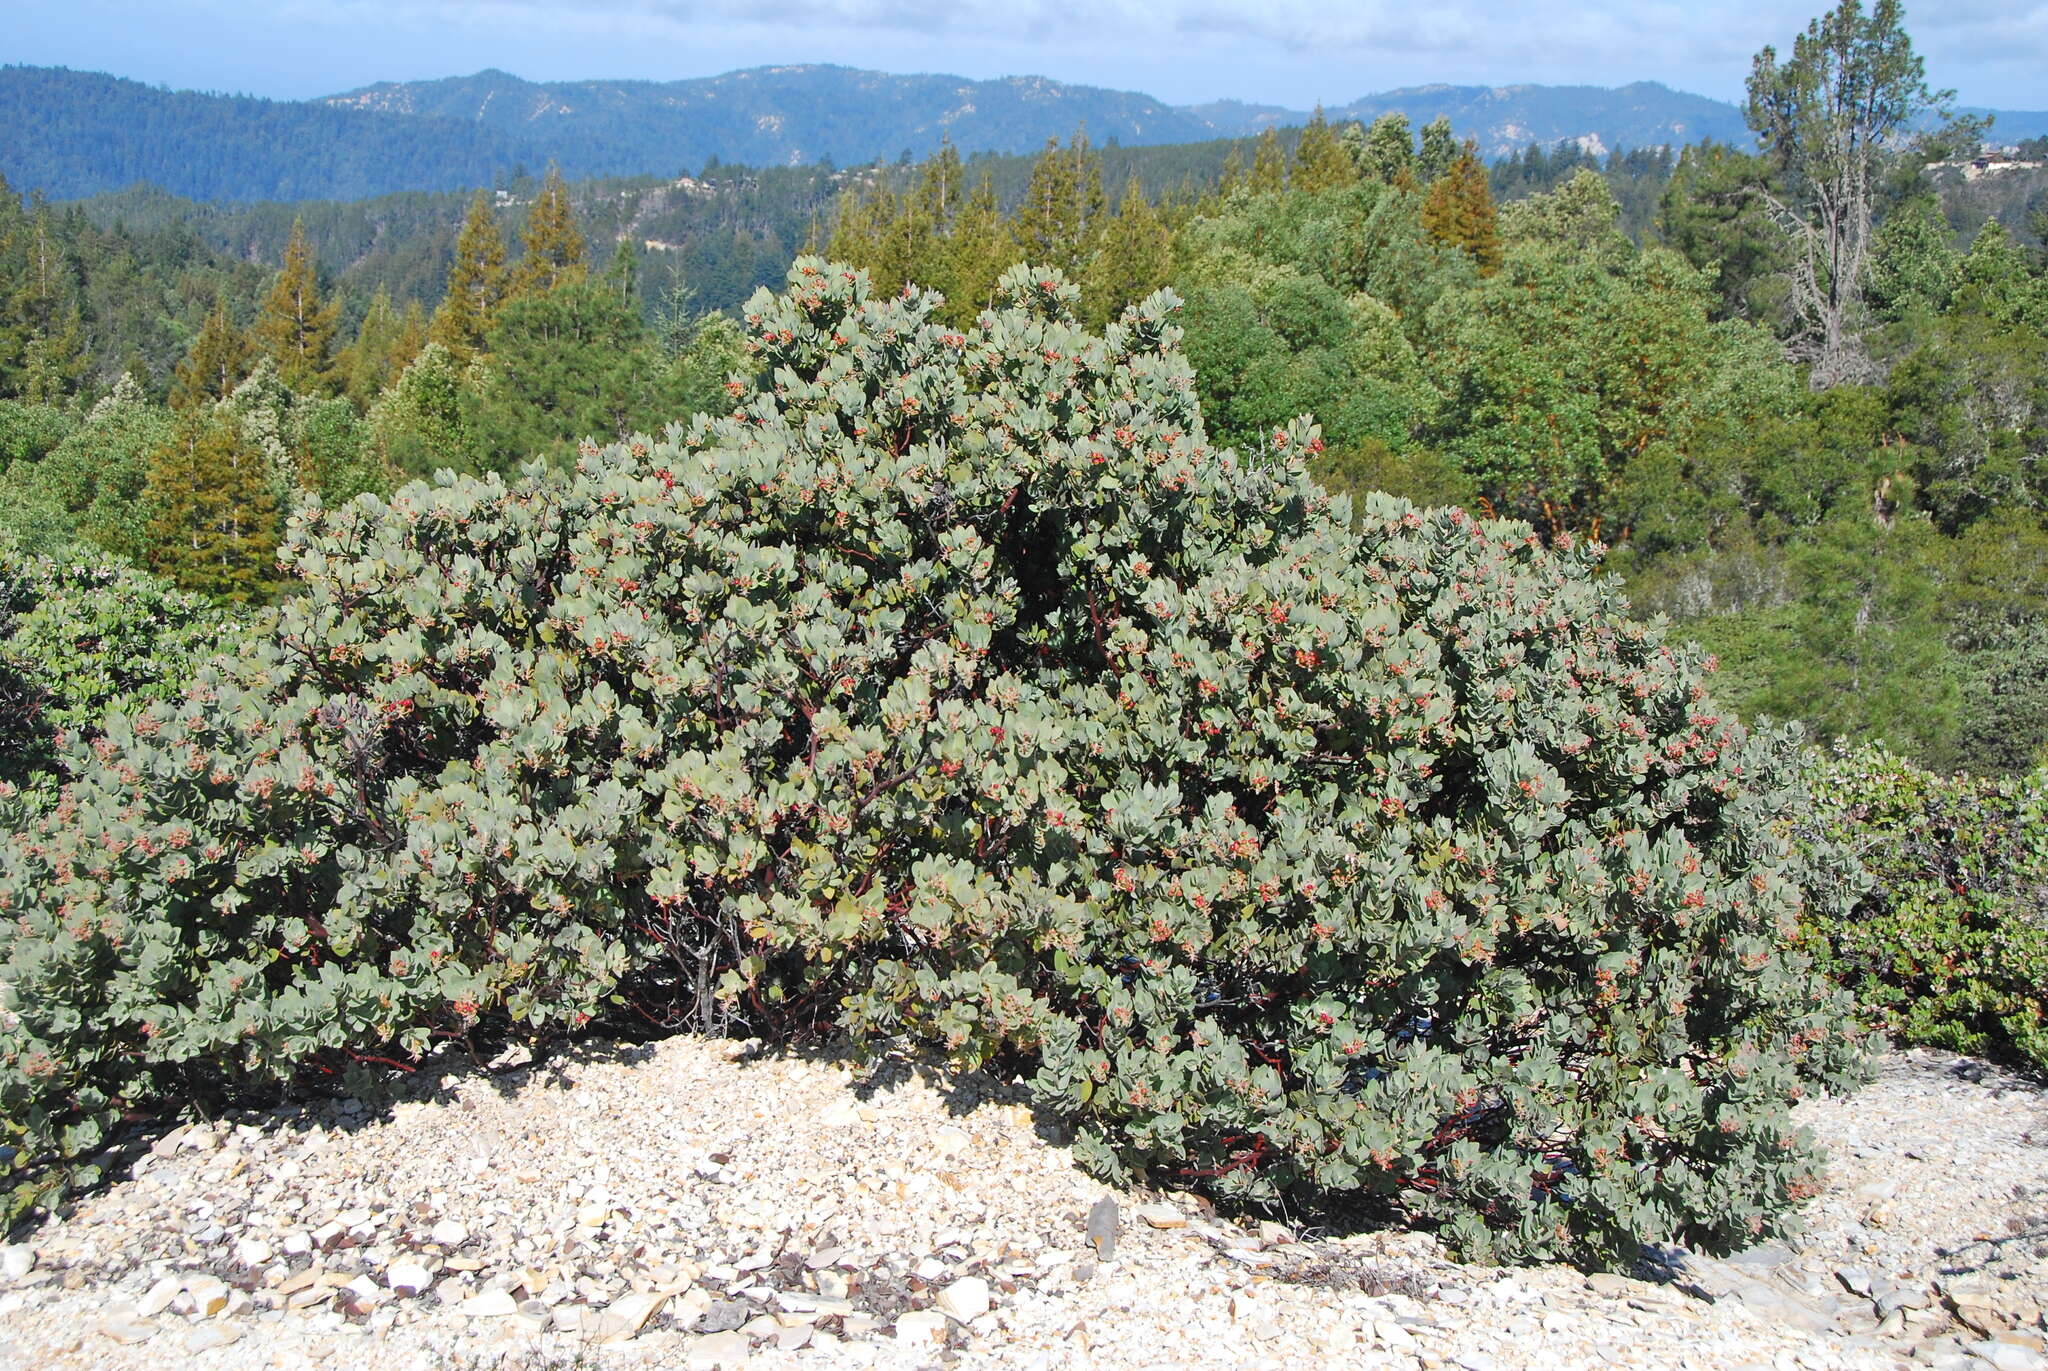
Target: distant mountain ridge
74,134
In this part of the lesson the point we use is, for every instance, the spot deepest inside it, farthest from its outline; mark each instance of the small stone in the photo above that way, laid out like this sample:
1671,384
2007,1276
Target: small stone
1609,1284
128,1331
624,1317
723,1316
789,1339
948,1142
449,1233
297,1244
209,1295
17,1260
832,1285
159,1297
717,1352
966,1299
1102,1227
1274,1234
253,1252
843,1114
1856,1280
920,1329
592,1215
206,1337
1162,1216
491,1304
407,1278
2007,1356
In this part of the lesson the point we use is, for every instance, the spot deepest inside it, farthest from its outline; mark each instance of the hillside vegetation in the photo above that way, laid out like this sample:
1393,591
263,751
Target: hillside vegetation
1490,802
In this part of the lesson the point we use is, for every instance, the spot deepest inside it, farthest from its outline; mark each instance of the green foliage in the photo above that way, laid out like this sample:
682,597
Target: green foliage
573,363
214,518
957,685
1715,212
476,283
335,457
418,426
82,638
89,486
1949,946
220,358
552,253
1063,208
296,326
1270,343
1559,372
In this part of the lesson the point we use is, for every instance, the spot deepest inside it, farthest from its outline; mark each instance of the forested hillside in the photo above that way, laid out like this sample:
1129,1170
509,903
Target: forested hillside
78,134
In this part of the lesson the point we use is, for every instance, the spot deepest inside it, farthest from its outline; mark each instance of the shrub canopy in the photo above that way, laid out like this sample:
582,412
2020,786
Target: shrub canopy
954,685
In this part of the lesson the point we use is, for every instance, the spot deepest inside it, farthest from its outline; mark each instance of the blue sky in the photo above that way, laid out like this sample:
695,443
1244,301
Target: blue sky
1292,52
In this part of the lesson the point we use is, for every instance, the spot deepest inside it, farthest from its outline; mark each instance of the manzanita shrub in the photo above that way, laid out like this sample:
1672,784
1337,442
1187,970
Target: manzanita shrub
1948,946
955,686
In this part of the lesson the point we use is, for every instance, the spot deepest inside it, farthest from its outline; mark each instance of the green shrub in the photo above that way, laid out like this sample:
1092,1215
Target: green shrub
1949,945
81,637
955,685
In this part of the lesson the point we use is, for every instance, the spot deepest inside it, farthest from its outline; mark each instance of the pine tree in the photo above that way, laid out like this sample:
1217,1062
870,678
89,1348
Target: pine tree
214,522
942,185
1269,165
1458,211
54,360
622,273
368,364
1320,162
220,357
1134,258
862,233
476,283
553,251
1232,178
1390,150
412,337
1439,149
978,251
1062,211
294,327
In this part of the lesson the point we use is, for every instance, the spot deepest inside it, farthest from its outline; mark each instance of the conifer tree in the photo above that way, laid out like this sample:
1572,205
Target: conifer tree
942,185
295,328
622,273
214,522
978,251
553,250
476,283
1390,150
220,357
54,360
368,364
1458,211
1269,165
1063,206
868,231
1320,162
1134,258
1233,174
412,336
1439,149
